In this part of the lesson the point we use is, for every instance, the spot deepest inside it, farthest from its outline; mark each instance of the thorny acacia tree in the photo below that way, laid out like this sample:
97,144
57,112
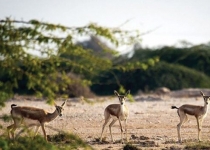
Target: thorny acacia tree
30,51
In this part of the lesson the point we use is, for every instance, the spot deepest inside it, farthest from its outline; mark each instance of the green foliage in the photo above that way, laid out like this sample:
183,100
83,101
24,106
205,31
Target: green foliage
195,57
148,69
25,143
173,76
6,118
37,58
59,141
34,55
162,74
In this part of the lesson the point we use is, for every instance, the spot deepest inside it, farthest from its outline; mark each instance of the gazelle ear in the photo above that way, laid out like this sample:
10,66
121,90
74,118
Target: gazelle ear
128,92
201,93
64,103
116,93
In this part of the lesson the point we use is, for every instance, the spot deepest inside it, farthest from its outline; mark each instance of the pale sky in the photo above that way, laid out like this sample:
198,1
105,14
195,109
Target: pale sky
170,20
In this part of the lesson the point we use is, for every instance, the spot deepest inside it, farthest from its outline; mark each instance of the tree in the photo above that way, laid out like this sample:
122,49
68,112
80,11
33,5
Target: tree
35,54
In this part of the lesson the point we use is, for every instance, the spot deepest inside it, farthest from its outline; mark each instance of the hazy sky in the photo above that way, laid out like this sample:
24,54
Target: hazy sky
170,20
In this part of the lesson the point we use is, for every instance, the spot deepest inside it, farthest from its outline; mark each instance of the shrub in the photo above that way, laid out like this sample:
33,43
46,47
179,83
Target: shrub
25,143
61,141
195,57
173,76
162,74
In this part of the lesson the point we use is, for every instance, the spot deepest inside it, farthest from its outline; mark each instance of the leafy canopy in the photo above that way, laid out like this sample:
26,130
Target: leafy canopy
34,55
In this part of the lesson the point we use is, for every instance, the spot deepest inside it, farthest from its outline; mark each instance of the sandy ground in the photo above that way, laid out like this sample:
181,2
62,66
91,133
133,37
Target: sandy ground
151,123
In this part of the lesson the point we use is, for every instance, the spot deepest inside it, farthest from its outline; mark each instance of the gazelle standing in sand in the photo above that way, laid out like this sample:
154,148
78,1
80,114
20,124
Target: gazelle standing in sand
117,112
199,112
31,116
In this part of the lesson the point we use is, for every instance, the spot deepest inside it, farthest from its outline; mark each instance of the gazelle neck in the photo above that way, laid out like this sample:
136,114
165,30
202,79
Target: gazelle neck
52,116
206,105
122,107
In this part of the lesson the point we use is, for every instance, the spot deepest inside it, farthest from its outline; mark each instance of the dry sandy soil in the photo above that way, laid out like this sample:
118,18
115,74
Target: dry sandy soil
151,124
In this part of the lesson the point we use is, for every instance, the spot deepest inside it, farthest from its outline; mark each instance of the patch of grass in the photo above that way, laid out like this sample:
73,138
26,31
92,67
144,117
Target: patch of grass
66,141
198,145
6,118
25,143
60,141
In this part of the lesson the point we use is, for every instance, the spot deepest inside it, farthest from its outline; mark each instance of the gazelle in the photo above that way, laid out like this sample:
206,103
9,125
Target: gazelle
199,112
117,112
31,116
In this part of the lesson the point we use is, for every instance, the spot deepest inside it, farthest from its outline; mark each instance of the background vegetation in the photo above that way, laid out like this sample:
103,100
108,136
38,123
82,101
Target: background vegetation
47,60
172,67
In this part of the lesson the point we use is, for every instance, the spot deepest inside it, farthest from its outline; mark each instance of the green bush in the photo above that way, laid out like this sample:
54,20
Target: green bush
162,74
25,143
173,76
195,57
61,141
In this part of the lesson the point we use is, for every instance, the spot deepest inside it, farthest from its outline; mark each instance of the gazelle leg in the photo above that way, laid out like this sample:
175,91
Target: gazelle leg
121,130
13,131
107,118
14,126
36,131
110,130
126,130
9,128
37,127
43,129
199,123
183,119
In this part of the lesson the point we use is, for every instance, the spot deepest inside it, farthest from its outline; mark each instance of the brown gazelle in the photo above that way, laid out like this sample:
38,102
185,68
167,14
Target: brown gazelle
31,116
117,112
199,112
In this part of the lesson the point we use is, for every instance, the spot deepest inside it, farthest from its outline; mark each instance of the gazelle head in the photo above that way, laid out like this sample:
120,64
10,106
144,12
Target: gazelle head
60,109
122,98
205,98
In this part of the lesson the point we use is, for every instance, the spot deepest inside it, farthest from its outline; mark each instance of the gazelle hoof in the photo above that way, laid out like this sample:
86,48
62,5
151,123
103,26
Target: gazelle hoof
179,141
